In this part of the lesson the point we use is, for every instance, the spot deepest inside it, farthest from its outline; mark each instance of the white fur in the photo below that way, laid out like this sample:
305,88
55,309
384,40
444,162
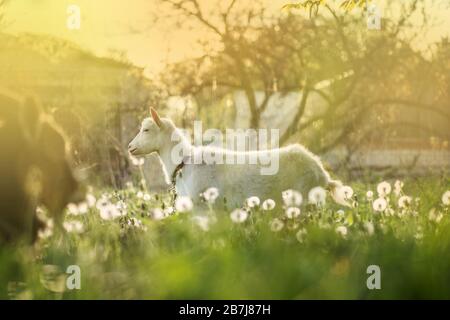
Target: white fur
299,169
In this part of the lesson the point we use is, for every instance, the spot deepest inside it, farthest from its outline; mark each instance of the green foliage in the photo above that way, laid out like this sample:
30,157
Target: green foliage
174,258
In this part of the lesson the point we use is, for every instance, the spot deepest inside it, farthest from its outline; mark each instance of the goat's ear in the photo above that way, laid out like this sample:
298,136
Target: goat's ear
31,117
155,117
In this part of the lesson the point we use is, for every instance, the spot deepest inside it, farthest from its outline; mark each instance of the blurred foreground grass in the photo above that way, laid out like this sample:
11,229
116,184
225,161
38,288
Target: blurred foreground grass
323,253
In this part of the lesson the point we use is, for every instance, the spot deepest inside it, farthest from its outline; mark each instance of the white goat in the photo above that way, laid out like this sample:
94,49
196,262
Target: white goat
299,169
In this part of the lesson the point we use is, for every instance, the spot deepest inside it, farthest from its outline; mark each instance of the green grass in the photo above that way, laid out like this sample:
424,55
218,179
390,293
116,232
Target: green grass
175,259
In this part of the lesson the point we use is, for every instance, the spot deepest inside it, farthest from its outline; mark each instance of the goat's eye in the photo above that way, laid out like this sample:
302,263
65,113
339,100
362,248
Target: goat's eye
146,130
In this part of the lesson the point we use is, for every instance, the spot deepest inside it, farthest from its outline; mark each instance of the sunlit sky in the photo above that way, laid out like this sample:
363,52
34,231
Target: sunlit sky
125,26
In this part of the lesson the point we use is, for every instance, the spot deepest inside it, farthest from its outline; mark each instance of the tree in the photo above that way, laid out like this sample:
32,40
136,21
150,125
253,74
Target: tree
256,50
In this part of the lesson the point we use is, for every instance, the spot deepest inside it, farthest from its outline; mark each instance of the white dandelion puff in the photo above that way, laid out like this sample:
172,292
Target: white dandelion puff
146,197
73,226
340,214
183,204
109,212
276,225
379,204
370,229
72,209
404,202
133,222
346,192
446,198
398,185
369,195
169,211
317,196
121,205
47,231
158,214
140,195
342,231
252,202
384,188
292,198
210,195
268,205
102,203
239,215
83,207
292,212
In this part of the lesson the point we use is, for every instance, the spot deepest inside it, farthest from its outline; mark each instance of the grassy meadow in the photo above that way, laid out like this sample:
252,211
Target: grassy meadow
132,245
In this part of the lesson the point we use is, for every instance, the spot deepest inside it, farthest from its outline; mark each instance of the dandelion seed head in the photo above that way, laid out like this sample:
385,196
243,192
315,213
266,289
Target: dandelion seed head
133,222
369,195
169,211
252,202
158,214
292,212
340,214
317,196
346,192
369,227
342,231
102,203
276,225
379,205
83,207
239,215
398,185
73,226
109,212
292,198
210,195
47,232
183,204
72,209
404,202
121,205
268,205
300,235
384,188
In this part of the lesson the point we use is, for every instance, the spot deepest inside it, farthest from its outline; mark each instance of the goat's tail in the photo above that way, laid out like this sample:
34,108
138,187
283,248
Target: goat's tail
334,187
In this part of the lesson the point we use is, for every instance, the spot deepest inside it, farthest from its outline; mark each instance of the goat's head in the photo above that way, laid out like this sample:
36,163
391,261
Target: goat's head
151,136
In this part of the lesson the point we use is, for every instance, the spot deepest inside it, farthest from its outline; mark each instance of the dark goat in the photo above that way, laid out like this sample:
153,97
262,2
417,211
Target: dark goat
34,169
